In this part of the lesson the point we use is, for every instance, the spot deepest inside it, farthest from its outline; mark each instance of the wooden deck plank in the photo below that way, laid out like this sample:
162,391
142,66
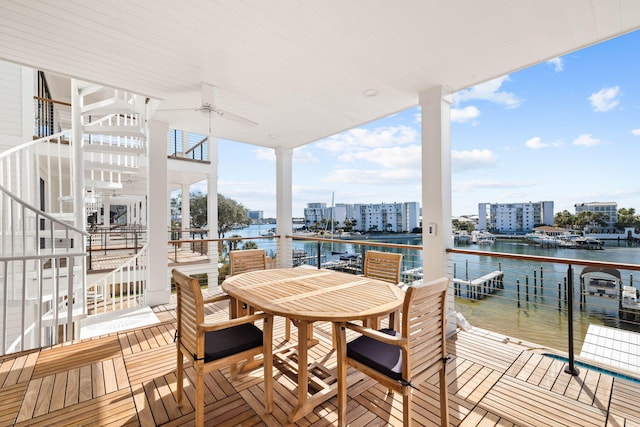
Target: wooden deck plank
11,397
129,378
61,358
112,409
527,404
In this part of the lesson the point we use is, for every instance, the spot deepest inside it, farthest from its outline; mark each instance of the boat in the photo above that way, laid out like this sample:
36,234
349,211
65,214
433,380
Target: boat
461,238
542,238
601,281
483,238
589,243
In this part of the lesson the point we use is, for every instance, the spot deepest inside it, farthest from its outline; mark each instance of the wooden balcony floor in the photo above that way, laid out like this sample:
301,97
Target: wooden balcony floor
127,378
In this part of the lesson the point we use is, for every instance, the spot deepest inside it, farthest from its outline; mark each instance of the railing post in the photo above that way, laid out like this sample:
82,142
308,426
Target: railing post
570,369
319,256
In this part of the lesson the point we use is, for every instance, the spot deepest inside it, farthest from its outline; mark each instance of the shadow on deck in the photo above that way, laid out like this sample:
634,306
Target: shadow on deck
128,378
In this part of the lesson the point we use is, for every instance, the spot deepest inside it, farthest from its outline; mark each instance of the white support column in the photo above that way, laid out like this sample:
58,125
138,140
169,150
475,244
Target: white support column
436,188
185,208
158,284
284,206
212,213
78,157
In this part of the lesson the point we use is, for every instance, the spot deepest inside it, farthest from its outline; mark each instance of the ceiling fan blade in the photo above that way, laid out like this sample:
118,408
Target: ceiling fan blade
236,118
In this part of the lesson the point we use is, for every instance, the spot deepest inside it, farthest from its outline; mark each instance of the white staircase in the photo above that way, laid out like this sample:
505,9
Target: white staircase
43,283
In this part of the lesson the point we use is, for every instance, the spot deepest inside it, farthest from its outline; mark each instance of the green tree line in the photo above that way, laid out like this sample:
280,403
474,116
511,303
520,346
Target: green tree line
583,220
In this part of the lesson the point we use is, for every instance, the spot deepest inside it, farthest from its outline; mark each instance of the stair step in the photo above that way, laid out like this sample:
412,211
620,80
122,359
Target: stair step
131,131
111,106
97,166
114,149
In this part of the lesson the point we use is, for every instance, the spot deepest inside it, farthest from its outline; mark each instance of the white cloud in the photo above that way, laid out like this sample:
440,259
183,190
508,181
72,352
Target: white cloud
392,157
374,176
366,139
472,159
558,64
636,132
536,143
264,153
586,140
489,91
461,115
473,185
304,155
605,99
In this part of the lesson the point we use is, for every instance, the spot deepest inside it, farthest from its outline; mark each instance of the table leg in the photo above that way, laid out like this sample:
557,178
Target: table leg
303,373
340,336
306,403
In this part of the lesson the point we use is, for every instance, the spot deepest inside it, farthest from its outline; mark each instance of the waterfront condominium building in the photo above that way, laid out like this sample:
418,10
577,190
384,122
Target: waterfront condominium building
390,217
514,218
608,209
314,213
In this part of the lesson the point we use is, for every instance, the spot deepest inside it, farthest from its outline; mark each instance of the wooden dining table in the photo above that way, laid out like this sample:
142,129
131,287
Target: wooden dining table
307,295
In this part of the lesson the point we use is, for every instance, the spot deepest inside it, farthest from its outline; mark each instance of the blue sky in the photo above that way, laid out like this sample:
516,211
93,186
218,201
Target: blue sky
567,130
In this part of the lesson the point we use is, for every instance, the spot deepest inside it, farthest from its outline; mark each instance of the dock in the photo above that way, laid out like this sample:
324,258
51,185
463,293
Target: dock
480,287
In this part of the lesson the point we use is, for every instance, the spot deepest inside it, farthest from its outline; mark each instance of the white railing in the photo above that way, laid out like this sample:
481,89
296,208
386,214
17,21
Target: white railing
43,292
21,167
42,280
124,287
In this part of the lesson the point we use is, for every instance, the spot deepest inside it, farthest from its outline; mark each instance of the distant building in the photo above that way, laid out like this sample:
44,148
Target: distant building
514,218
608,209
391,217
255,215
314,213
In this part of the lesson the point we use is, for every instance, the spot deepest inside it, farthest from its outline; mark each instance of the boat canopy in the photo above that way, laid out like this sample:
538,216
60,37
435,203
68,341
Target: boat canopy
606,270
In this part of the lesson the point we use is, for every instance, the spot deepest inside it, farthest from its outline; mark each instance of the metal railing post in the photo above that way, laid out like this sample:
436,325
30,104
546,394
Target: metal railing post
570,368
319,246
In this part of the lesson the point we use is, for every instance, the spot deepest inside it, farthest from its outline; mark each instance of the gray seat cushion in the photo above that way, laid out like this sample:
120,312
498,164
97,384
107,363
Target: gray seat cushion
225,342
384,358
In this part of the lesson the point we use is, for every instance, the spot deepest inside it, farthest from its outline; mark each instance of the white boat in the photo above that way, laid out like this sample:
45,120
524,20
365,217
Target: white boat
601,281
483,238
542,238
461,238
589,243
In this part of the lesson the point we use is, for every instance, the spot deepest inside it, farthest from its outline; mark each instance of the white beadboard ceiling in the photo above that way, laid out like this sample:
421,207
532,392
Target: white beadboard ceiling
298,67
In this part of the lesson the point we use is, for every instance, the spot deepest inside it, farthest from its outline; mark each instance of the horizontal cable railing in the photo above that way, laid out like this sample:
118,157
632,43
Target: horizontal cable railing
541,302
189,147
545,300
107,245
51,116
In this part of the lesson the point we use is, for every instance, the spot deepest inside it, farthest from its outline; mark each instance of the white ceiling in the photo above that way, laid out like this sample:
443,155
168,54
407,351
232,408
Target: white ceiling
298,68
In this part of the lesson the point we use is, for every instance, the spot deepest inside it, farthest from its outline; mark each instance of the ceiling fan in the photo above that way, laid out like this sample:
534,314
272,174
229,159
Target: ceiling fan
208,106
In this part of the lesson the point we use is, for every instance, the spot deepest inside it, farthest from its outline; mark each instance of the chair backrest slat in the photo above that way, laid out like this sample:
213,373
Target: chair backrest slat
424,317
190,311
383,266
242,261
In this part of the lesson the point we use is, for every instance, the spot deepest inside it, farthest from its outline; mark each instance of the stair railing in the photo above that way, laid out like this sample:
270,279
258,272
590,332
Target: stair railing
42,278
124,287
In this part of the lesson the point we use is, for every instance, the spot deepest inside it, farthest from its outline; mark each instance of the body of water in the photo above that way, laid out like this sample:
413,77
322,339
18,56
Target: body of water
537,319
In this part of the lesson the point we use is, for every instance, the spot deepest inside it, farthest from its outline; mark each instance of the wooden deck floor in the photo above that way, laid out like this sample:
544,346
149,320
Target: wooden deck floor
128,379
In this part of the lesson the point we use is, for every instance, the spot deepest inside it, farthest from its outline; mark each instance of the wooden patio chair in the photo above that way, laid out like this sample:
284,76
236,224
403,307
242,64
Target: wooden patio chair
242,261
400,360
213,346
383,266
